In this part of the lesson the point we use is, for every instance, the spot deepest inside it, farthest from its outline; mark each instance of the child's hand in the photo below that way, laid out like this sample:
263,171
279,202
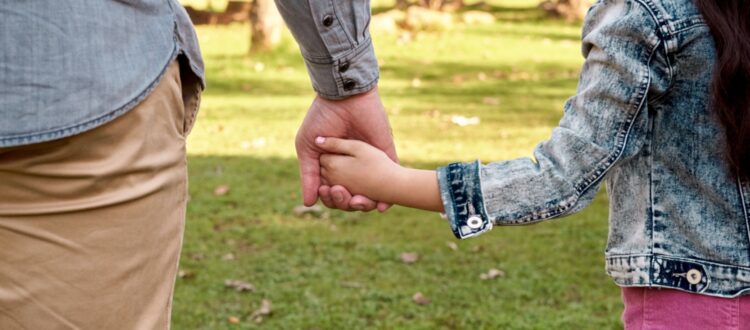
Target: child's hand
358,166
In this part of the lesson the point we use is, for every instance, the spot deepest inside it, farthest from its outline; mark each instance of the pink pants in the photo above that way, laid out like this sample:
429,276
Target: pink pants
647,309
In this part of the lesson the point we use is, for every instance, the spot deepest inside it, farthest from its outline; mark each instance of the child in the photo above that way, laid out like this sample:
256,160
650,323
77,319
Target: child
662,113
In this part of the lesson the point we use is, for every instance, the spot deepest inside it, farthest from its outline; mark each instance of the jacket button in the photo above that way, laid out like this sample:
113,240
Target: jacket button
328,20
694,276
349,84
343,67
474,222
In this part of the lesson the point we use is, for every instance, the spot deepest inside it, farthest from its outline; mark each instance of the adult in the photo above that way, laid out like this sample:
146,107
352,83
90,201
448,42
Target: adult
335,43
96,101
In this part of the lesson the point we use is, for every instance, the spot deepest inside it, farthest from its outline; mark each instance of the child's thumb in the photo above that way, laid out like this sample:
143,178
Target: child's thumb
336,145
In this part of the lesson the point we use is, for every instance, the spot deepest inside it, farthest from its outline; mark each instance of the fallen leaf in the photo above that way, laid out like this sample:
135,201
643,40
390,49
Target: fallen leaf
352,285
239,286
491,101
492,274
185,274
420,299
233,320
409,257
265,309
227,257
221,190
259,143
465,121
452,245
197,256
314,210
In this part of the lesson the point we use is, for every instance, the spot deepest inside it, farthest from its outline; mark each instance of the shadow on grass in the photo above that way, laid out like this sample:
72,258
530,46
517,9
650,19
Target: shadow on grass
343,271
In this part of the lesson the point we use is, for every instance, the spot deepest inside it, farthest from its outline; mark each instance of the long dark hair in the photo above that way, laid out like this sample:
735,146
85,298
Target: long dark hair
729,21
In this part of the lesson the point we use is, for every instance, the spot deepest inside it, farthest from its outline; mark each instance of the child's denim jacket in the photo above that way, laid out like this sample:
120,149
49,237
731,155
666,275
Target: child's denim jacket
641,121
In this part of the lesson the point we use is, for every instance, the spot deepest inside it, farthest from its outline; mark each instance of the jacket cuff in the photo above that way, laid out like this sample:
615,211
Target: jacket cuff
352,73
461,192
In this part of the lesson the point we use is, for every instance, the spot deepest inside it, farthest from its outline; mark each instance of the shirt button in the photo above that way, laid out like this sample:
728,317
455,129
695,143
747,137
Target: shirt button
474,222
327,20
694,276
343,67
349,84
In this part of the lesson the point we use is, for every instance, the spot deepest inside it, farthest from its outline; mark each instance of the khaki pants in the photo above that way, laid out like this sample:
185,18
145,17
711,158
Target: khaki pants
91,226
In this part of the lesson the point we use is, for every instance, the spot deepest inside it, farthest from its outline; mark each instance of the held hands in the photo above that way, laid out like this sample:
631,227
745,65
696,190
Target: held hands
358,166
359,117
368,171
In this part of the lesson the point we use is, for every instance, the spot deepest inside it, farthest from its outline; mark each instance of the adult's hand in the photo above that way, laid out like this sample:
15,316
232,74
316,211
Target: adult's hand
361,117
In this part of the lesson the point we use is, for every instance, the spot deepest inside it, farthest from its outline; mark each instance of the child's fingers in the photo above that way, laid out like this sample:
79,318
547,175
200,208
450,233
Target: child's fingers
336,145
326,162
332,162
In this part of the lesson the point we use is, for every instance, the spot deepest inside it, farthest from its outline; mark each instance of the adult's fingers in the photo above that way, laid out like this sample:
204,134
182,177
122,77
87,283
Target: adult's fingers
309,168
362,203
341,197
382,207
324,192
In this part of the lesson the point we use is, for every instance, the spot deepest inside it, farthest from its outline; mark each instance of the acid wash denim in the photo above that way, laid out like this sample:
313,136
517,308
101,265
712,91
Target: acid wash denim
642,122
70,66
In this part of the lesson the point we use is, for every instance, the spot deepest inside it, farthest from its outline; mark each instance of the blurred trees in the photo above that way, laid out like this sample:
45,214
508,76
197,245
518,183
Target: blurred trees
265,21
431,4
265,25
571,10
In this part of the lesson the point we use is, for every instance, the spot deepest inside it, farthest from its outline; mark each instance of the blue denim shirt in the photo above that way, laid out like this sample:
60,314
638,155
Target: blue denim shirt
641,122
334,39
70,66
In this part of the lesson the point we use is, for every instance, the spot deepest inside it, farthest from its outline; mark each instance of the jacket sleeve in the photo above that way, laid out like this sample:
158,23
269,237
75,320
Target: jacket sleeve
604,124
335,42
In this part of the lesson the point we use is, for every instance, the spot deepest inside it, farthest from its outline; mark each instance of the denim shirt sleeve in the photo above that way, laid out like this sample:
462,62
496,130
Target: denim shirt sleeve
603,125
335,42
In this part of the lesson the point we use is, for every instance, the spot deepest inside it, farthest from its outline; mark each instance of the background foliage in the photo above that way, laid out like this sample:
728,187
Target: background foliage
340,270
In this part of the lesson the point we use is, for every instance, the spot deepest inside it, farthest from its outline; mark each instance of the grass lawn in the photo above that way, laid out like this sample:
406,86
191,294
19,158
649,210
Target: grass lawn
344,271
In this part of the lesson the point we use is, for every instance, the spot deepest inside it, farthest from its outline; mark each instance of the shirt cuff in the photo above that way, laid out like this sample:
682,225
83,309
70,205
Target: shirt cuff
461,192
352,73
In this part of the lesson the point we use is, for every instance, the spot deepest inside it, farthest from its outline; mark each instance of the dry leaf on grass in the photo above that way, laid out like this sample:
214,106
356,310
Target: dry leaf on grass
228,257
239,286
492,274
265,309
221,190
352,285
491,101
409,257
185,274
465,121
197,256
233,320
420,299
452,245
314,210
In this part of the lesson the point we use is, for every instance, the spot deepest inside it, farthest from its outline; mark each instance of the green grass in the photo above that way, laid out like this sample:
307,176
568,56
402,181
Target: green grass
344,272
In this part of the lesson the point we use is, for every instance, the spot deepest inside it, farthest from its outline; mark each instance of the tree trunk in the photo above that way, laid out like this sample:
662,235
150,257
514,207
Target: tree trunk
571,10
265,26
